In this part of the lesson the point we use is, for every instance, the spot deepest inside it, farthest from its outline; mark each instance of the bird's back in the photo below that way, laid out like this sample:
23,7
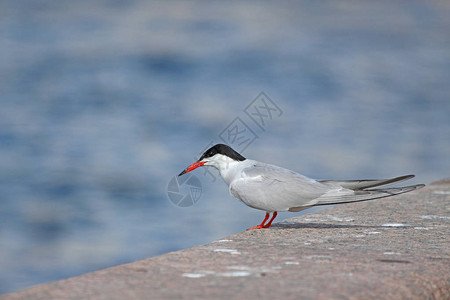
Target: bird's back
272,188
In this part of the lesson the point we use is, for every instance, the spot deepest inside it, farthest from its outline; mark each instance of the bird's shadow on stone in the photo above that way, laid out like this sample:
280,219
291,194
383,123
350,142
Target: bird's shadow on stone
292,225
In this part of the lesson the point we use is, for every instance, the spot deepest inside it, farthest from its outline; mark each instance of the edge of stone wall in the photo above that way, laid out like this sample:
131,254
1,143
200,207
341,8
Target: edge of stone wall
392,248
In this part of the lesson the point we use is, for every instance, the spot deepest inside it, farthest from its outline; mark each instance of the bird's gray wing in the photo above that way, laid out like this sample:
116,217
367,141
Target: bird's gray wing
273,188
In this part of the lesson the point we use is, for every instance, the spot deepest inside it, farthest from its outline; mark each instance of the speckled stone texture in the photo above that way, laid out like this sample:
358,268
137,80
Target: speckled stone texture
392,248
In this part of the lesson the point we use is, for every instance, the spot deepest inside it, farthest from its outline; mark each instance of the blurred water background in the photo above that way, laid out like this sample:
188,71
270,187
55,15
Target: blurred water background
103,102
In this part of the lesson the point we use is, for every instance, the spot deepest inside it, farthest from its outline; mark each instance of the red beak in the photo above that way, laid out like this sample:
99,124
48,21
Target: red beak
193,167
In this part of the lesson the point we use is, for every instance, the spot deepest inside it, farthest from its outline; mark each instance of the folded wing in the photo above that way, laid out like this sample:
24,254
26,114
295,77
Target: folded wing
273,188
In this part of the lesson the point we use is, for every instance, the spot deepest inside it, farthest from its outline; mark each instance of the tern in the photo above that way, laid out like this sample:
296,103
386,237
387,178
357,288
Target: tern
273,189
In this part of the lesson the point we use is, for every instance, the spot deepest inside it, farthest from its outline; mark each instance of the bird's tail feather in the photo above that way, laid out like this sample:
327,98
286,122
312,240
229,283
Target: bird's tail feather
364,184
368,194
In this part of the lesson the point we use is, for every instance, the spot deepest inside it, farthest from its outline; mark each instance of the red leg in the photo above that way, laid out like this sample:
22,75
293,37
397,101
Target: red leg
262,224
270,222
264,221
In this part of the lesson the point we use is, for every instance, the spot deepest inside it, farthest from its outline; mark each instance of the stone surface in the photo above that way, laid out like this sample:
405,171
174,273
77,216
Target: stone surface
391,248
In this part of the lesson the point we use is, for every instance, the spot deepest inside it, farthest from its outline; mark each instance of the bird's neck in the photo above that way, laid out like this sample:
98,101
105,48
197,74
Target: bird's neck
229,169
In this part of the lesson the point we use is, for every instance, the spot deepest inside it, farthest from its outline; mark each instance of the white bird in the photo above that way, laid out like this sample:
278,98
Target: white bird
272,188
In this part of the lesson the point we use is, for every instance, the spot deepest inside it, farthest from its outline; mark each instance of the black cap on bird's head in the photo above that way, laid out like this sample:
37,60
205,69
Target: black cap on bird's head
224,150
216,149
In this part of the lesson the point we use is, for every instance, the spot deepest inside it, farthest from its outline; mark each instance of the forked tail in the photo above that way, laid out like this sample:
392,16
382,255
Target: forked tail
363,190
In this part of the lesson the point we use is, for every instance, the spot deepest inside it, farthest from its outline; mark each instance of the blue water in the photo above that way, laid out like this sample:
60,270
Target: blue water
103,102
